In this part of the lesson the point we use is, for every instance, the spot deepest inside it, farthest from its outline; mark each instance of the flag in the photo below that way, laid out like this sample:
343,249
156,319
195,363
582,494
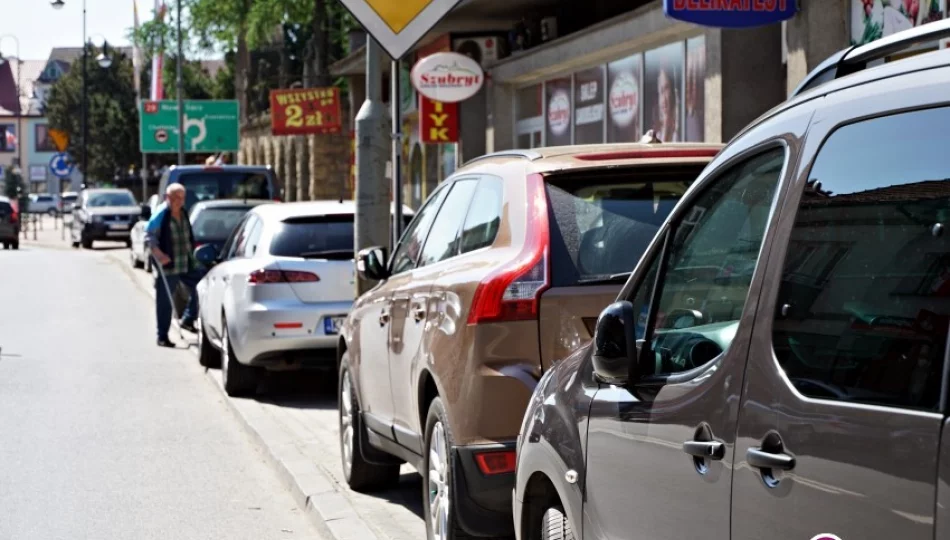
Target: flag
157,92
136,52
11,139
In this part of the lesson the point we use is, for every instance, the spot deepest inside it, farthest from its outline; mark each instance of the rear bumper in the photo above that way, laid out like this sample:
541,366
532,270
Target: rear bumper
289,334
483,503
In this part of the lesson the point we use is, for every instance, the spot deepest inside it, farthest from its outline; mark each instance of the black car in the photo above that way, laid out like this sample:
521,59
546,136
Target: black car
776,365
213,221
9,225
103,214
209,183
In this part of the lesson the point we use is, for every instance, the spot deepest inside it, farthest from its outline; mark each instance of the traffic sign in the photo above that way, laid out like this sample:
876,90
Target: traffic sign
60,165
210,126
397,26
60,139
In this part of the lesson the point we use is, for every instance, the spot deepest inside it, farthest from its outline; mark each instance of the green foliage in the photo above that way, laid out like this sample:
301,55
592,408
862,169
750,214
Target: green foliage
112,115
13,184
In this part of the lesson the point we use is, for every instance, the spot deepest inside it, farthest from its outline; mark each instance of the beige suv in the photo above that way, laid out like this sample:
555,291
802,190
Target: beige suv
503,271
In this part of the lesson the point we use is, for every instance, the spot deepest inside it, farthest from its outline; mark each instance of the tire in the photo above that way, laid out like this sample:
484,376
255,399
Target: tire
128,243
555,525
51,212
360,474
75,245
16,244
208,356
239,380
6,245
86,243
439,441
148,263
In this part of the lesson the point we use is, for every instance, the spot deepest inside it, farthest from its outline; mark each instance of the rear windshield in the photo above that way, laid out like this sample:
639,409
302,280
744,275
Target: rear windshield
110,199
5,208
313,236
601,223
213,185
215,224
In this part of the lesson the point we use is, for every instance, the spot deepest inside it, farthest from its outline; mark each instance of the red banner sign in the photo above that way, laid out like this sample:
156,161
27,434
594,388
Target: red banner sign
300,111
438,122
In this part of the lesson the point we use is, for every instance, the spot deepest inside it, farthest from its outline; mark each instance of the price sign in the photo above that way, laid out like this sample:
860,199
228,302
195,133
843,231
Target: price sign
299,111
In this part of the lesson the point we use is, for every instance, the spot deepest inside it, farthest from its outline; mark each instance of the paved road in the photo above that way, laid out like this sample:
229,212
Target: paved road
103,435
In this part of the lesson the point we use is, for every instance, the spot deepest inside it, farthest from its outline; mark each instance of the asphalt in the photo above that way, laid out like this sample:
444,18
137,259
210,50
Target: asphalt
104,435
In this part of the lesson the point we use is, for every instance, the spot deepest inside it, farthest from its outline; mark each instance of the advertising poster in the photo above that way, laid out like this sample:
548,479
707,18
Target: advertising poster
589,109
695,89
874,19
663,91
624,106
305,111
558,123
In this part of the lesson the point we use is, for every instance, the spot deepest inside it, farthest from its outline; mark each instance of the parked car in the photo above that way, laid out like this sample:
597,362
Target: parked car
139,250
775,366
103,214
207,183
66,202
502,272
9,225
277,291
44,203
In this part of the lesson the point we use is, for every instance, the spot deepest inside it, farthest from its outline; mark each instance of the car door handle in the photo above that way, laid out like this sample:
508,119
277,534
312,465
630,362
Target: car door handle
760,459
383,319
418,313
705,449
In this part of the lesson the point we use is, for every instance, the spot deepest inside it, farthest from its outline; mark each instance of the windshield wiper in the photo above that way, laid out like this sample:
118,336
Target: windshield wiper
334,254
622,277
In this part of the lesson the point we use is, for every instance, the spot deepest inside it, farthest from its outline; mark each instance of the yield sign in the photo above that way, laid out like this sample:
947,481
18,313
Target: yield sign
398,24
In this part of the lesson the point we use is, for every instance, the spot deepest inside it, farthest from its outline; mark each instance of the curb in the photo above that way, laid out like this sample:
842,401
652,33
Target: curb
316,493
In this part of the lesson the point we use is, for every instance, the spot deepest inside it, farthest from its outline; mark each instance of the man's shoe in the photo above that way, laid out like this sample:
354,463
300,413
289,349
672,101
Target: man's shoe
188,325
166,343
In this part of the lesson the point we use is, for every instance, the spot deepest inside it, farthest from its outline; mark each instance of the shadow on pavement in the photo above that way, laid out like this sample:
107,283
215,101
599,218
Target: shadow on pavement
299,389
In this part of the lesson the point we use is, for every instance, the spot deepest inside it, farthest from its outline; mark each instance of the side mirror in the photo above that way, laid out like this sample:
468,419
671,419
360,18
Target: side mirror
207,255
370,265
615,343
146,212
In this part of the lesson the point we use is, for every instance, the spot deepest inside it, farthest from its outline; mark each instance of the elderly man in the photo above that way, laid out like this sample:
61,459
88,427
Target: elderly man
169,237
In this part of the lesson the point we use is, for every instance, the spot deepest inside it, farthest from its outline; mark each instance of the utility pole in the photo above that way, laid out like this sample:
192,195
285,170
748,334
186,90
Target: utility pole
372,201
181,95
85,101
397,153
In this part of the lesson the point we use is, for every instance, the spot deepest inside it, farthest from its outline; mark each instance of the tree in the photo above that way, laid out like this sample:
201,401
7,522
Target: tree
112,115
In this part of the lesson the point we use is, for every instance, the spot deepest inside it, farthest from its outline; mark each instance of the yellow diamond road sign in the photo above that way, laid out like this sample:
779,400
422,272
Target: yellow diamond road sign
398,24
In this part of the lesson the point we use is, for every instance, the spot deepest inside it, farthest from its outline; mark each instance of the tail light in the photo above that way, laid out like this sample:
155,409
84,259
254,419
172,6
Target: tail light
260,277
512,293
496,462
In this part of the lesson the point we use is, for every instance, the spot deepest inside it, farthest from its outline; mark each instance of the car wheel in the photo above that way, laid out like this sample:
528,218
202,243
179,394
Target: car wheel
15,244
238,379
86,243
207,355
437,477
555,525
148,262
360,474
75,245
51,212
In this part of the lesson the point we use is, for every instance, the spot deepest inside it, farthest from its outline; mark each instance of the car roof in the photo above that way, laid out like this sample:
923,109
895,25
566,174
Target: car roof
282,211
4,199
107,190
230,203
594,156
219,168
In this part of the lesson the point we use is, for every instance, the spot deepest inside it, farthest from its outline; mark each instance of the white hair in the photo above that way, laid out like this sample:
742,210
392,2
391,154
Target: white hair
173,188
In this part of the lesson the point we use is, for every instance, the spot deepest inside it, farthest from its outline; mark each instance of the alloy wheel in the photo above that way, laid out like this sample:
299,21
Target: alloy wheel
346,423
439,496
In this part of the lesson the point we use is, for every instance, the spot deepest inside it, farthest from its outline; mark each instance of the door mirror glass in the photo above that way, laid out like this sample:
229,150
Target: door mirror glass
207,255
146,212
615,344
369,263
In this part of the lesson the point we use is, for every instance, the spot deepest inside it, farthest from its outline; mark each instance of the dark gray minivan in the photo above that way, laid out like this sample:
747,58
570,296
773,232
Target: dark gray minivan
207,183
776,365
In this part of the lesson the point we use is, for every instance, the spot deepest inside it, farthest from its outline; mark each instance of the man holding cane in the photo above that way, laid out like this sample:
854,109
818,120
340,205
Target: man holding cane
169,238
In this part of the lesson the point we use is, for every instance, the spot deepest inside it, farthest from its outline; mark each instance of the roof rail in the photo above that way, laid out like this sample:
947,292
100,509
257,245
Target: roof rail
524,154
857,57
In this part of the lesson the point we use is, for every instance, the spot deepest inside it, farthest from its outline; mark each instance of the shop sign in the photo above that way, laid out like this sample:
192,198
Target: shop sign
624,100
305,111
730,13
559,113
447,77
438,122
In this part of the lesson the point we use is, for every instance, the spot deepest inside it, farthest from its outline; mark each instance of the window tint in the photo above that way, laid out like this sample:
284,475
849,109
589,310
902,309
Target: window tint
410,245
711,258
314,236
227,250
240,242
215,224
443,241
484,215
863,303
212,185
111,199
601,223
5,208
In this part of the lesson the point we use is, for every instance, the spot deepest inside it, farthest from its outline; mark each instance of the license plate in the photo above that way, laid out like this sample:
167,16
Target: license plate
119,226
331,325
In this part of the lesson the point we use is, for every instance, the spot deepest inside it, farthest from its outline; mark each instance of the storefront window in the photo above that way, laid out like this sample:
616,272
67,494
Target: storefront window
589,106
663,89
528,113
695,89
623,99
557,92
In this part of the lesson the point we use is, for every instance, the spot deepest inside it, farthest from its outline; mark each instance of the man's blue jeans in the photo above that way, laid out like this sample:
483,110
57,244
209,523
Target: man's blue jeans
163,307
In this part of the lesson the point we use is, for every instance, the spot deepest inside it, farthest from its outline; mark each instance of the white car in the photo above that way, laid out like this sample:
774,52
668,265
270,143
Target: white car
278,291
44,203
139,252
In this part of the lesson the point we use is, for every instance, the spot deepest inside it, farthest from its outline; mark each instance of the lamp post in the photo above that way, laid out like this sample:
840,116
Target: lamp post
104,61
19,104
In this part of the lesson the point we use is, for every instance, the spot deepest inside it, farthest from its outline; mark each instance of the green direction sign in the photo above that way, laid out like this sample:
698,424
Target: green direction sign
210,126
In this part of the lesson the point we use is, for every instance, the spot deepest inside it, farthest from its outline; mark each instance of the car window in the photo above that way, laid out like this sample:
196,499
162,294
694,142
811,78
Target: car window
110,199
220,184
443,241
254,238
710,259
484,215
864,302
240,242
228,248
215,224
5,208
314,236
410,245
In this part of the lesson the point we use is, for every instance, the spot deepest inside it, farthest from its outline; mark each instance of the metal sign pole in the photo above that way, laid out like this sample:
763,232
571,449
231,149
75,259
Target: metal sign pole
397,152
181,95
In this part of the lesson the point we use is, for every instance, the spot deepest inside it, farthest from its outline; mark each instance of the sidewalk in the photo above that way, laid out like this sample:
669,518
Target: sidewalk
49,233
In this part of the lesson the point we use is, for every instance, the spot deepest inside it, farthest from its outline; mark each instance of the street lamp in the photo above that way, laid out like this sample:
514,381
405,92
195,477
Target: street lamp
105,61
19,104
